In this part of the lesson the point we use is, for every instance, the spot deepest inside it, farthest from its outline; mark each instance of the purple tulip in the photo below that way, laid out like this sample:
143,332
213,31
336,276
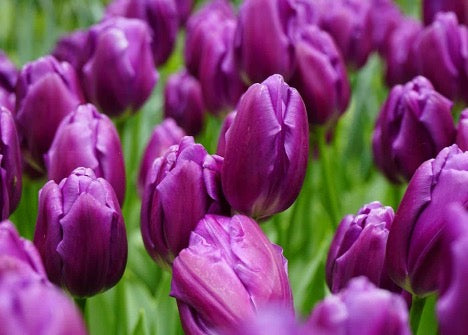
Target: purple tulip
181,187
164,135
87,138
119,70
80,233
8,78
462,131
69,48
385,17
184,8
46,92
266,150
358,248
162,18
399,54
228,271
432,7
415,123
360,309
349,23
320,76
221,150
183,101
414,256
29,306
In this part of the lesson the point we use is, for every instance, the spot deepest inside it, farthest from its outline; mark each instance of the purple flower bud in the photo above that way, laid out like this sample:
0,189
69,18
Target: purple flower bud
266,149
415,123
320,76
181,187
8,78
439,54
349,23
69,48
360,309
80,233
119,72
87,138
184,8
221,150
183,101
162,18
31,307
399,55
462,131
385,17
432,7
358,248
164,135
229,271
262,44
414,256
46,92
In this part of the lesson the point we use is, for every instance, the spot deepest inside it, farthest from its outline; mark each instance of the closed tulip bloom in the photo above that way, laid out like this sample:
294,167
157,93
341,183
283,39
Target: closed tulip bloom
385,17
183,101
221,150
80,233
358,248
415,123
184,8
349,23
164,135
8,78
266,150
360,309
162,18
228,272
181,187
46,92
432,7
69,48
414,258
462,131
119,70
87,138
320,76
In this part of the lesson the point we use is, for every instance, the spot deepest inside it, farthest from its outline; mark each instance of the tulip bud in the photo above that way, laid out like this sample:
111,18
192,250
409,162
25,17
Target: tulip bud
181,187
69,48
119,70
184,8
46,92
183,101
164,135
399,55
358,248
385,17
228,272
462,131
87,138
320,76
415,123
221,150
80,233
8,78
349,23
266,150
414,256
162,18
360,309
432,7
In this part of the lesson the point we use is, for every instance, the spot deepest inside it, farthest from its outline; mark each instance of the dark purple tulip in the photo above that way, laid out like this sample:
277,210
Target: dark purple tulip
46,92
221,150
164,135
29,306
462,131
119,70
80,233
432,7
415,123
262,43
358,248
439,55
181,187
228,271
266,150
360,309
385,17
184,8
320,76
349,23
183,101
69,48
87,138
399,54
162,18
8,78
414,255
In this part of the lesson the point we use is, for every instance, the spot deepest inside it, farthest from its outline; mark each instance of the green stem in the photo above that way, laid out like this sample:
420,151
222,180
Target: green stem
81,303
417,307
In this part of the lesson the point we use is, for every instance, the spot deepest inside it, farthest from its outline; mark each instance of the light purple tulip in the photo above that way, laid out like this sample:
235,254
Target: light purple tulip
385,17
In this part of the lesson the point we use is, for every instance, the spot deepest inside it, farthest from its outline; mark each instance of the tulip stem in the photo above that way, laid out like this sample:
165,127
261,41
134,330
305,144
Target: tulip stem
81,303
417,307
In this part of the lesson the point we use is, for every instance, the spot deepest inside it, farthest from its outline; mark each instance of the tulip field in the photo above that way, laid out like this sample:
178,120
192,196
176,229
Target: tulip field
285,167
